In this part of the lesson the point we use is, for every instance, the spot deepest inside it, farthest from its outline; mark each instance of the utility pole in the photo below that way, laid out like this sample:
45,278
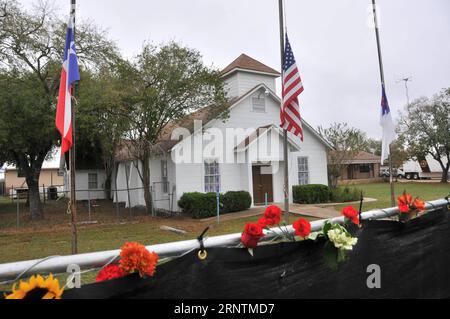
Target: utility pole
406,80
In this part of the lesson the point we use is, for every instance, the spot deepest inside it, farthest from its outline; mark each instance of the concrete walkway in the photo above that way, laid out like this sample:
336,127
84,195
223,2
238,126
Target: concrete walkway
365,200
314,211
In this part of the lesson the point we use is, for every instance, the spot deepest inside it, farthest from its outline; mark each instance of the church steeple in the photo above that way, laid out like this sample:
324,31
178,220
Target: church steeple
246,63
244,73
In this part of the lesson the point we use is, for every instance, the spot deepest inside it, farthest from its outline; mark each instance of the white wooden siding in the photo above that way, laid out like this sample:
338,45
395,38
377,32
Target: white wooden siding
189,177
82,184
240,83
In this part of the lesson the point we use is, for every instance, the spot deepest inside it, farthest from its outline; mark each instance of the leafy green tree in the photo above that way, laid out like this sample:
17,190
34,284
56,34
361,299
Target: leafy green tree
166,83
31,46
397,151
100,126
373,146
424,128
347,142
26,136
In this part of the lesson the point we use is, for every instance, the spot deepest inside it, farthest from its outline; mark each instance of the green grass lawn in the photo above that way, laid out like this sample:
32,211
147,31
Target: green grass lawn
30,242
381,191
34,243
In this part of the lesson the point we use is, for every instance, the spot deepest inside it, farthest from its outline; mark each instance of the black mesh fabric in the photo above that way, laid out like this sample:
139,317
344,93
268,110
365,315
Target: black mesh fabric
414,258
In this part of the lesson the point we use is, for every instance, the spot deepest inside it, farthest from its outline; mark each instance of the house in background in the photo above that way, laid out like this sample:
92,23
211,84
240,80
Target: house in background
50,177
89,183
90,176
363,167
254,108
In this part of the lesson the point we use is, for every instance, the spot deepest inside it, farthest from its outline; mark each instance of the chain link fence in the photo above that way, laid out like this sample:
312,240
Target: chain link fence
93,205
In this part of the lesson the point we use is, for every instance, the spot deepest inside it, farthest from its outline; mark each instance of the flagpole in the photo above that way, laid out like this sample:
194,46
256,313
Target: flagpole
73,200
285,135
380,63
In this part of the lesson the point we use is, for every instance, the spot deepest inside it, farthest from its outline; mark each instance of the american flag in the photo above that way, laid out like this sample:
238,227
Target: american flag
69,74
292,87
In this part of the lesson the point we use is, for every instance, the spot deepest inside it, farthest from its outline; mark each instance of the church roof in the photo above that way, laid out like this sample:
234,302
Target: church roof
244,62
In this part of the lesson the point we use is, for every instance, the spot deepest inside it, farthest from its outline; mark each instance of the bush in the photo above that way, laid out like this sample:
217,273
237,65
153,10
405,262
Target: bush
311,193
198,205
345,194
235,201
203,205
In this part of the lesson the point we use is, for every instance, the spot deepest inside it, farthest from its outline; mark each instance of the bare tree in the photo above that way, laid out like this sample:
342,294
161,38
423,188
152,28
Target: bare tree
346,142
165,84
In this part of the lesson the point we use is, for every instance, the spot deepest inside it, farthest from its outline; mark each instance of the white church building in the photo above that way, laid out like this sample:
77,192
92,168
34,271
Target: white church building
206,152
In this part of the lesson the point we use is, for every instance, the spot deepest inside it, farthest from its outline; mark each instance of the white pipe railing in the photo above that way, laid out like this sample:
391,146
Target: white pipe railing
58,264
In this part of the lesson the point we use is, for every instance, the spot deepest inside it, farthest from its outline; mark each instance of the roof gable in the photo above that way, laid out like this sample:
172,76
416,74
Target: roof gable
257,134
246,63
210,113
275,97
207,115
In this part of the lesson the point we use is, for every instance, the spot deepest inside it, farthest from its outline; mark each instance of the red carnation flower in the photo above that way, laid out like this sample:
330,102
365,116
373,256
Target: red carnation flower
251,235
109,272
272,215
262,222
351,213
302,227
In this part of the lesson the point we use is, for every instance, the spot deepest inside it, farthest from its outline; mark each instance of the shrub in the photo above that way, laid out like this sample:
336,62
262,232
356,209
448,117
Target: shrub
311,193
203,205
345,194
235,201
198,205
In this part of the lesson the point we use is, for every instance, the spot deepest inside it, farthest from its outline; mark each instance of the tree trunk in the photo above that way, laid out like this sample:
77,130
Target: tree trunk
445,168
109,165
108,186
146,183
333,182
108,181
444,176
33,196
333,176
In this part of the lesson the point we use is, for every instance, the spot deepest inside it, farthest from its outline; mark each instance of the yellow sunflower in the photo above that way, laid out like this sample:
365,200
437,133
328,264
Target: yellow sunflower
37,287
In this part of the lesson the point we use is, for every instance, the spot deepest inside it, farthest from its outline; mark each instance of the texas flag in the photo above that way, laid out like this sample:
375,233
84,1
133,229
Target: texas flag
69,74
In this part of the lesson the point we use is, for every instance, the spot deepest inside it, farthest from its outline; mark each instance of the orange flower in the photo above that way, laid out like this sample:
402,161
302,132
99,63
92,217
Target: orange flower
135,257
419,204
404,199
404,202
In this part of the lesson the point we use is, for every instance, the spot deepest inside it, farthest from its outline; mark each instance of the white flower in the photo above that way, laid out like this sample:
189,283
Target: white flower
341,239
